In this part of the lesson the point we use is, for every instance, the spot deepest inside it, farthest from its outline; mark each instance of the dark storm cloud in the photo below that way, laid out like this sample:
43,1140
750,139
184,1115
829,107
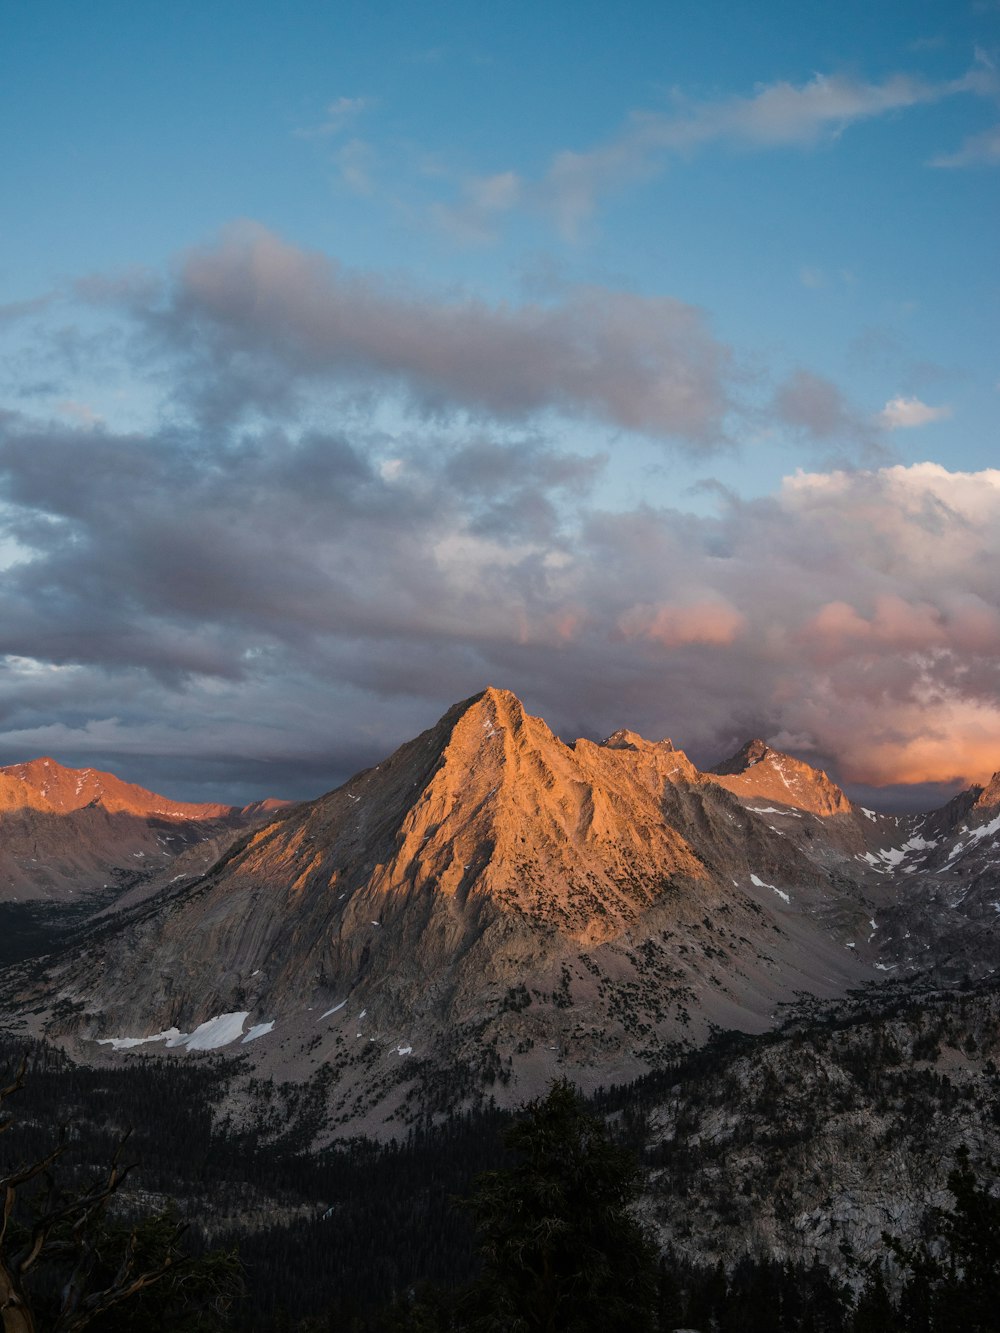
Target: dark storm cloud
234,591
284,596
159,553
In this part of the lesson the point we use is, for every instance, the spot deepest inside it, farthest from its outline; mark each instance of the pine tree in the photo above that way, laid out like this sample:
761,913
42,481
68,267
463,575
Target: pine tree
874,1312
954,1276
561,1252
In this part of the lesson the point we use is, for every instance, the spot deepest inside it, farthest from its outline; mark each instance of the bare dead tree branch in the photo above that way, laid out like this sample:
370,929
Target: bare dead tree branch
66,1230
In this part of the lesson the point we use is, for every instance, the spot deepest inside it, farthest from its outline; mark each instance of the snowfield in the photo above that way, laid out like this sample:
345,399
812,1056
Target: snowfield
214,1033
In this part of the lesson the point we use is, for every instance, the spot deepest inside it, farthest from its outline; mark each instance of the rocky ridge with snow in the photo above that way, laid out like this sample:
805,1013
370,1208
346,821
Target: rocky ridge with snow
490,907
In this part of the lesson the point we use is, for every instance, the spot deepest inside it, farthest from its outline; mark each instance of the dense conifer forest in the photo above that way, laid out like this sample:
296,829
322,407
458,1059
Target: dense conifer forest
377,1237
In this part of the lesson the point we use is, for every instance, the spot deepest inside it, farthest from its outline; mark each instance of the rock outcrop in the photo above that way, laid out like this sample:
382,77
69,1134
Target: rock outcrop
756,772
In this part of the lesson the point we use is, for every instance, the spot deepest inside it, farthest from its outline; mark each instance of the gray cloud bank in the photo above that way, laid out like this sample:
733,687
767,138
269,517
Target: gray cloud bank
237,600
253,326
258,318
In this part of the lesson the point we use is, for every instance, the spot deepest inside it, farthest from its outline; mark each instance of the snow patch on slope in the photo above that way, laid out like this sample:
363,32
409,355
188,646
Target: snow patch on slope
214,1033
258,1030
761,885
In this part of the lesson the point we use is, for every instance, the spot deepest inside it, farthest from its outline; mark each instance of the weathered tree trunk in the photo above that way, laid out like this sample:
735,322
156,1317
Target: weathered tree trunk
16,1315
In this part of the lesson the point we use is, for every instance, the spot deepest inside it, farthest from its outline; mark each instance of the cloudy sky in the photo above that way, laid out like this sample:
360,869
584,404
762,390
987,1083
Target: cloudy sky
643,360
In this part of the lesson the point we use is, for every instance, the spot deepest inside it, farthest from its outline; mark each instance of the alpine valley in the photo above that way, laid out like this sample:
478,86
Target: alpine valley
758,979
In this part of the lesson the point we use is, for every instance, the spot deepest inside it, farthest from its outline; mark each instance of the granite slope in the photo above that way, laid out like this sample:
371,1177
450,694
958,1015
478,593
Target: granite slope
69,832
489,898
491,905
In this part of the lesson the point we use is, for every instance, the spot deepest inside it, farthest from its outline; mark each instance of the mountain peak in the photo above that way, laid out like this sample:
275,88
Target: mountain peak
751,753
482,715
503,703
757,772
497,693
989,796
623,739
46,785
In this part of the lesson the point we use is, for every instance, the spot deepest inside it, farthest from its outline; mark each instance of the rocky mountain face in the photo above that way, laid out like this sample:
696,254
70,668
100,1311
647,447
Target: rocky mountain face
929,882
491,906
761,774
67,832
807,1144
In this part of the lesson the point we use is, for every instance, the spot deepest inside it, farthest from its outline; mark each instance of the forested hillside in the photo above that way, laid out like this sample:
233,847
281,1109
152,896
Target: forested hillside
770,1169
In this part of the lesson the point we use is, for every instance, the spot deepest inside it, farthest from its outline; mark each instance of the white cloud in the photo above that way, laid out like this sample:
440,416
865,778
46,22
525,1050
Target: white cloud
905,413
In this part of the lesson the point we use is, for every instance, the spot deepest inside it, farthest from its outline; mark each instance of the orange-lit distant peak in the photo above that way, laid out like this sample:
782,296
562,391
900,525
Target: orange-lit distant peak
758,771
44,784
623,739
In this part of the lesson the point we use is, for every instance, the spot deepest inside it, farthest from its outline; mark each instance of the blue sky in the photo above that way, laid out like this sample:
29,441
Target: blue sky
511,280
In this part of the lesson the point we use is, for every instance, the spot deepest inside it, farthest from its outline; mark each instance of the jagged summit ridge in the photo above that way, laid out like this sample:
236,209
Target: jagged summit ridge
492,893
481,854
44,784
756,771
623,739
490,805
748,755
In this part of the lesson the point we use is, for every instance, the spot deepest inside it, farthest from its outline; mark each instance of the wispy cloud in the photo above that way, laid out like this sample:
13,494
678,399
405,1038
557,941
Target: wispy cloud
979,150
356,162
256,321
339,115
777,115
816,409
256,318
15,310
82,413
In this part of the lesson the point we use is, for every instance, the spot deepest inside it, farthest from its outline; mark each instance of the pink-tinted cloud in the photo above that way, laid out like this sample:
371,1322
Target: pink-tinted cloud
282,596
906,413
238,580
709,622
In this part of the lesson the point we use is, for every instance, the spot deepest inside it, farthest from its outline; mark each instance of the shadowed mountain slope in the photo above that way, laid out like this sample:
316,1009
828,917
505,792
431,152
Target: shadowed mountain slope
488,897
65,832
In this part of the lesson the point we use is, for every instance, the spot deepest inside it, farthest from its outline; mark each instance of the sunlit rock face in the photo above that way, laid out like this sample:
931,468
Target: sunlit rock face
44,785
495,900
488,896
67,832
758,772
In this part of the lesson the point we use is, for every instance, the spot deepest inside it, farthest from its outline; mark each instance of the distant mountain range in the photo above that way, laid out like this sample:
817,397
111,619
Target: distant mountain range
487,908
67,832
